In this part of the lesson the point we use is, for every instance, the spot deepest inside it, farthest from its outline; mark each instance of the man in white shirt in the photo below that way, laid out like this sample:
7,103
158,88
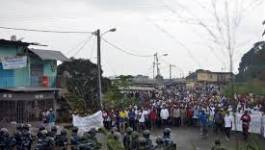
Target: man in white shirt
164,114
228,121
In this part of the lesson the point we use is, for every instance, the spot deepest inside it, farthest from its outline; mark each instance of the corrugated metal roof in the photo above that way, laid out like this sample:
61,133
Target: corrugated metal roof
9,42
49,54
19,43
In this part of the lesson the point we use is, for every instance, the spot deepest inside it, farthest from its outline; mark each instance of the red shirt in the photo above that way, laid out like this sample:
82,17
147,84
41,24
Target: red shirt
153,115
189,113
245,120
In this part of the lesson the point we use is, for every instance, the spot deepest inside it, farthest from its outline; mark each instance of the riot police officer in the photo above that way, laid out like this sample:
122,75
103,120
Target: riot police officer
41,128
135,137
167,141
146,135
142,144
114,131
159,144
75,139
127,139
53,132
89,141
26,141
5,140
44,142
17,139
61,140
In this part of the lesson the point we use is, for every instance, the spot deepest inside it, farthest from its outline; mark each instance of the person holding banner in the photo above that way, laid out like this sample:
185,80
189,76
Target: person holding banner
245,118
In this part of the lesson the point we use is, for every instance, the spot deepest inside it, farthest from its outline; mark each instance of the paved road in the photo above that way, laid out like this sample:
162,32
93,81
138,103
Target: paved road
189,138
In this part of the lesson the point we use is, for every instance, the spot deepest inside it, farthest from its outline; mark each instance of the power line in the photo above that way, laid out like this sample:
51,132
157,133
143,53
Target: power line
192,57
80,48
76,46
47,31
124,51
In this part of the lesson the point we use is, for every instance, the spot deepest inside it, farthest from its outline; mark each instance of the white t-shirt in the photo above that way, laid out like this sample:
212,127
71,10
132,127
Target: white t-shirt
164,114
142,118
146,113
228,121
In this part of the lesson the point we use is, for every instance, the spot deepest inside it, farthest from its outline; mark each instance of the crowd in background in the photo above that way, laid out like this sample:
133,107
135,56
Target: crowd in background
201,106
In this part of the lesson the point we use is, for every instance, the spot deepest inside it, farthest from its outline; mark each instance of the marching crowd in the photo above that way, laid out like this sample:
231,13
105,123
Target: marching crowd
175,107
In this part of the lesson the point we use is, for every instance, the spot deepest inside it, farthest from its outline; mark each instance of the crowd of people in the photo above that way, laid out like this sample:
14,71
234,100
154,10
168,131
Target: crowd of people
167,108
202,106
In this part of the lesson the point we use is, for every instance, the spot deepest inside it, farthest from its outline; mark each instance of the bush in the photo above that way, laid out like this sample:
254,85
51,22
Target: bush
255,86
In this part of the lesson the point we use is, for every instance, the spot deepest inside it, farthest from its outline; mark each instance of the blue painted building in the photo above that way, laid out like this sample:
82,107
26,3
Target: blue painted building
27,80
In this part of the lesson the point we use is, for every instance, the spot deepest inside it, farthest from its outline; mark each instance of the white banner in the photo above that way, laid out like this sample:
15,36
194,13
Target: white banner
84,124
14,62
255,123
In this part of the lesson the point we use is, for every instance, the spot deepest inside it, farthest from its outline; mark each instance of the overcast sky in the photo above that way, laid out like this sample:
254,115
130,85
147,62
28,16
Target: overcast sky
143,28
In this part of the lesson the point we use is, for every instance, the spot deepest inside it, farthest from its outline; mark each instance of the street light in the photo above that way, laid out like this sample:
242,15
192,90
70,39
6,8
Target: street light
110,30
98,35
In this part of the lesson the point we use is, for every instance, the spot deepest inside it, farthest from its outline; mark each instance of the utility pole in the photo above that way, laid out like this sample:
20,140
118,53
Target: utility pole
170,71
157,65
154,64
97,33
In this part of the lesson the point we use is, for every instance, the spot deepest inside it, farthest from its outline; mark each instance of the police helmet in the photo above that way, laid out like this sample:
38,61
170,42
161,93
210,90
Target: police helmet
92,132
63,132
75,130
54,129
4,130
167,131
44,132
159,140
129,130
41,128
146,134
19,126
26,126
135,134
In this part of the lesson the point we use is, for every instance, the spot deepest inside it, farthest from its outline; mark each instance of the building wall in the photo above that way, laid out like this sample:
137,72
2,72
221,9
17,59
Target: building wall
50,70
22,77
207,77
224,78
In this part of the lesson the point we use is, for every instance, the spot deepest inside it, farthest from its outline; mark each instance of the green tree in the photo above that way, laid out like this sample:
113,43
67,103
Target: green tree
114,98
123,81
252,65
79,77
